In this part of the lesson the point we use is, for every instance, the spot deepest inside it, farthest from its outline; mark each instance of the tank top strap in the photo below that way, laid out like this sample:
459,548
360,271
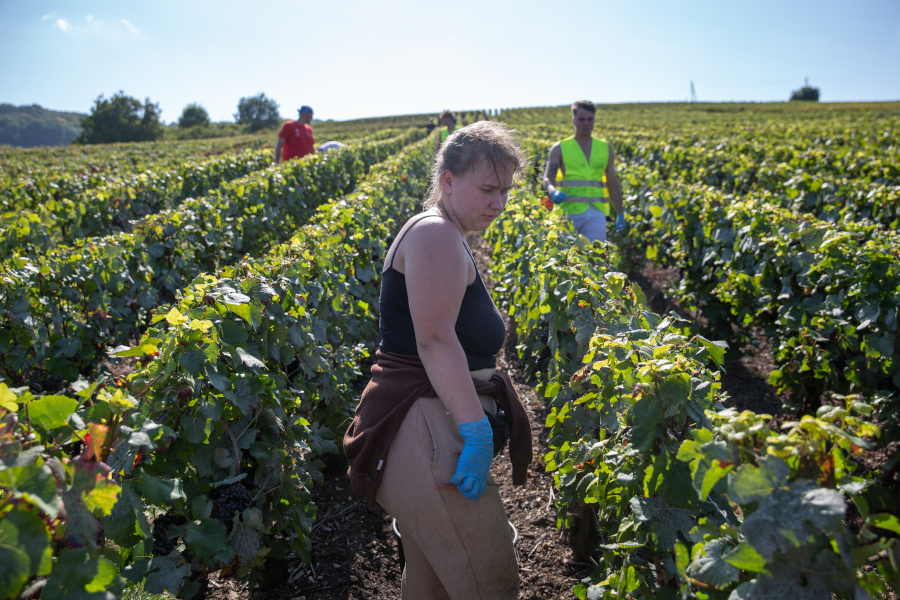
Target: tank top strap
469,252
413,224
400,239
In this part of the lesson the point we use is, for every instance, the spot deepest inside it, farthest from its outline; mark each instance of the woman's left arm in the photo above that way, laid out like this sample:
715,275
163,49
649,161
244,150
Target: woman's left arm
436,270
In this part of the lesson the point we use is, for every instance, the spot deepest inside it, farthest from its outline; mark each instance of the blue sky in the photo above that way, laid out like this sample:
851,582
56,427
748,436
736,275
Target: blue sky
353,59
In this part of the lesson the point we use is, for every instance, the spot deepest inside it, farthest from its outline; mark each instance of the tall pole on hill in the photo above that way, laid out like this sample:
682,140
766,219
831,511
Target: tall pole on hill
693,93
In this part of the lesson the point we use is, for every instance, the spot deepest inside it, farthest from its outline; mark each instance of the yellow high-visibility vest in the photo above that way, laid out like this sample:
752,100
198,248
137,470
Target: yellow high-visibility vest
445,133
583,183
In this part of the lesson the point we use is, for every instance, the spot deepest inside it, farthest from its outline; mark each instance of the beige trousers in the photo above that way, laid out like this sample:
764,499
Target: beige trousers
456,549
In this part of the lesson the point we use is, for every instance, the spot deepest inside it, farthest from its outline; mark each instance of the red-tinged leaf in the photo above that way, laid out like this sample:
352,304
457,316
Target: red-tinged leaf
95,439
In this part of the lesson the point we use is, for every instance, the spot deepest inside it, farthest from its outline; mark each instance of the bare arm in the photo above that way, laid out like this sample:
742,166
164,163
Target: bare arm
278,146
437,270
612,183
554,162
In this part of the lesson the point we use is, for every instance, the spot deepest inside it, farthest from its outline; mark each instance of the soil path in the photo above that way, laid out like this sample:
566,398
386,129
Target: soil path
355,555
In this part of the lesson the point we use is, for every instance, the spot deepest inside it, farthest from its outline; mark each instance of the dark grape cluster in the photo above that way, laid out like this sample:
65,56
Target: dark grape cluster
231,500
162,544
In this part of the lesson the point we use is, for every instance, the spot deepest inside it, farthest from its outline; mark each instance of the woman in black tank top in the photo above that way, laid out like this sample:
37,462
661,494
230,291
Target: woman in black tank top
426,459
479,326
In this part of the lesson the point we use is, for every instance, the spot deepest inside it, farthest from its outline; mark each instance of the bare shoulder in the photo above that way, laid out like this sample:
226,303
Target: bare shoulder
555,149
433,255
432,235
424,239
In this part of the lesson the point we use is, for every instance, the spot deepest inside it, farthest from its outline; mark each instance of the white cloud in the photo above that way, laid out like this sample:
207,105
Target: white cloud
90,18
64,25
48,16
130,27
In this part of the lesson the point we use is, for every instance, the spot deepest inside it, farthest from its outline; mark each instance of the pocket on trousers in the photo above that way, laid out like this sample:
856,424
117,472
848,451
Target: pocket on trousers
425,435
439,439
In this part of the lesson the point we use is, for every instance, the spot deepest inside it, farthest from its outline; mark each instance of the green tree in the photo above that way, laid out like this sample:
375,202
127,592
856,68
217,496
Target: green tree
121,119
257,112
193,115
806,93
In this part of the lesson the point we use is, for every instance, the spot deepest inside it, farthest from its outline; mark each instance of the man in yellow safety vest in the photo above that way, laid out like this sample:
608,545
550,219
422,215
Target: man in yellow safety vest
581,177
448,122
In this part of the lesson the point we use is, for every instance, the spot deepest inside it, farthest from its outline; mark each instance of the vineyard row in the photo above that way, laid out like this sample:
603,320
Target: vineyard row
642,451
244,375
62,309
53,214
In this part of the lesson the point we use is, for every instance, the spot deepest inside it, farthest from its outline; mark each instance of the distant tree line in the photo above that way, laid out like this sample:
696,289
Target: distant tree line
125,119
29,126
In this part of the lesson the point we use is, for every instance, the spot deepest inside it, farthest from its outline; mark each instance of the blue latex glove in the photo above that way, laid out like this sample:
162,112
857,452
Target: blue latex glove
557,196
472,470
620,223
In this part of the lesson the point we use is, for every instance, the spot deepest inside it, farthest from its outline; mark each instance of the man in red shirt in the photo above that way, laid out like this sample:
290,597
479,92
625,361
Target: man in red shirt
296,137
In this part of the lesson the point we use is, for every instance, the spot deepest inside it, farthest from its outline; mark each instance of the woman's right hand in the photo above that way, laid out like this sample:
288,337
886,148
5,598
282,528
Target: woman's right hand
475,461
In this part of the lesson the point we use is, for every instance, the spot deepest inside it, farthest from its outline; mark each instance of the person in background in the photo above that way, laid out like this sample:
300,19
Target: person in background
581,177
295,140
448,124
436,411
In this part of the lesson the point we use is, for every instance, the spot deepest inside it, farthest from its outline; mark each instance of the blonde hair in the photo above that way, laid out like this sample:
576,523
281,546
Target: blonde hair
485,142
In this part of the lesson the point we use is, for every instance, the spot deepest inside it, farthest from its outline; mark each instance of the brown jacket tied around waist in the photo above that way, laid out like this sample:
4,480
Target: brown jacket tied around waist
398,380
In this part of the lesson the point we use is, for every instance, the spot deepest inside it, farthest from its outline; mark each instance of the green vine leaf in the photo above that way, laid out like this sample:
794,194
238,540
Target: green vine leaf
784,518
710,566
751,483
79,575
50,412
34,484
665,520
167,574
23,535
207,540
158,491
